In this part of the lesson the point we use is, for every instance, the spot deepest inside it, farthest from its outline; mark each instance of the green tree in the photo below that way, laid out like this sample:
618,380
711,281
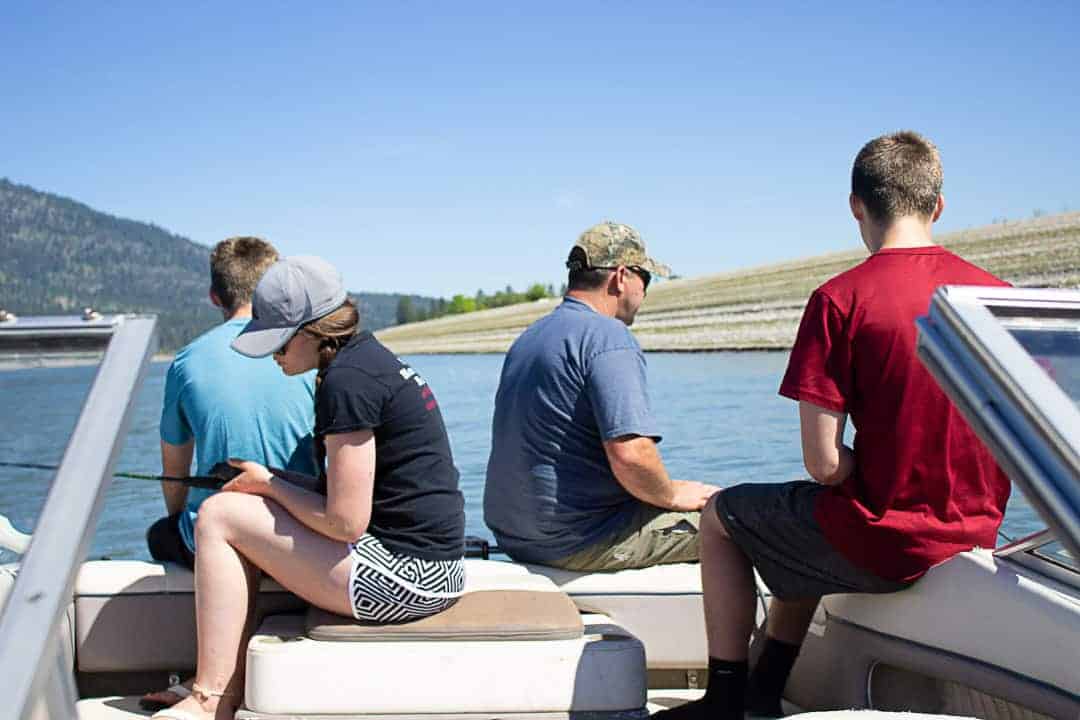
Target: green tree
406,313
535,292
460,304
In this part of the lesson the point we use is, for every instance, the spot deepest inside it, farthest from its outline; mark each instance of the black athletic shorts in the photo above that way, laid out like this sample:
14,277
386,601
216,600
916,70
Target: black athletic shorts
774,525
166,543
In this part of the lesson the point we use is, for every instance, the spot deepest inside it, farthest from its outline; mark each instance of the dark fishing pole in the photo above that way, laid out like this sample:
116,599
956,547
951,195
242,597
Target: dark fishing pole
219,474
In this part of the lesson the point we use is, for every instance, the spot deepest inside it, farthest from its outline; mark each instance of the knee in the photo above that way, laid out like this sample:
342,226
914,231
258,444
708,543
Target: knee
711,525
216,513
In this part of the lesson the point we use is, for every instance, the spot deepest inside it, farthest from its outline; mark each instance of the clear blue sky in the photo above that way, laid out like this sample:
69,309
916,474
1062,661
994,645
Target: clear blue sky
445,147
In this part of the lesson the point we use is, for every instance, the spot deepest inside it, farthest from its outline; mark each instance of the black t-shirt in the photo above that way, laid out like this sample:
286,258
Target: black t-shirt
417,509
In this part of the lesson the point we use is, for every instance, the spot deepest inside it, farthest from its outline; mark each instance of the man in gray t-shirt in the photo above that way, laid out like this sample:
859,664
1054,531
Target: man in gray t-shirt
575,478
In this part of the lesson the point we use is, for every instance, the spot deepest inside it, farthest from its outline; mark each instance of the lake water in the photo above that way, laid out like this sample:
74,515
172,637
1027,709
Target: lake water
722,421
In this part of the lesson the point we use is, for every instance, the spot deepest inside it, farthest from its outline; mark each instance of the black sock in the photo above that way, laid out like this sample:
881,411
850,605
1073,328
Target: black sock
723,698
766,684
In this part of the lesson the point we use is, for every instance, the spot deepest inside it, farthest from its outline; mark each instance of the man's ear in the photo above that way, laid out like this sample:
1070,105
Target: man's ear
939,208
857,207
612,285
215,299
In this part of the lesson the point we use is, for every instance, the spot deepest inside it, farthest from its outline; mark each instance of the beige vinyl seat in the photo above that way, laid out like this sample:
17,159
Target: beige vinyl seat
971,606
635,599
135,616
524,665
514,646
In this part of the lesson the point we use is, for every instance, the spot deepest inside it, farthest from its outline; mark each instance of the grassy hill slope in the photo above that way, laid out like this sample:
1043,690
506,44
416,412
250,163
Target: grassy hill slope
759,308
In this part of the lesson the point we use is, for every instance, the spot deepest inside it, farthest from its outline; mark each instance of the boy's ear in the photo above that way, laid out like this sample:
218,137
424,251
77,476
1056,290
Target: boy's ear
857,207
215,299
939,208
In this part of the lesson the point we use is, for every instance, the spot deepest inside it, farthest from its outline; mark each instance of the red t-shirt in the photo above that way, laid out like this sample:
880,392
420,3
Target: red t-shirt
924,487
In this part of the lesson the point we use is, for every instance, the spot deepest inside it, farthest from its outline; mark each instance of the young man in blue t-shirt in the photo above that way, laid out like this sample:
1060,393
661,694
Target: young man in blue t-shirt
575,479
220,405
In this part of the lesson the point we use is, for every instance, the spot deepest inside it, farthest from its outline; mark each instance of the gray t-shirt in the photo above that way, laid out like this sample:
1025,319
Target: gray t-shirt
572,380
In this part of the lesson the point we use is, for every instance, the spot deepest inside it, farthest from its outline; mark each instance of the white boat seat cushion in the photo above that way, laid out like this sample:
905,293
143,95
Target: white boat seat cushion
496,615
660,605
603,670
133,615
982,608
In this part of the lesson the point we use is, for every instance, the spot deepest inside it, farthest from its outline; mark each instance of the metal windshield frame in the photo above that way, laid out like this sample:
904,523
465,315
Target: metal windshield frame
1027,421
32,683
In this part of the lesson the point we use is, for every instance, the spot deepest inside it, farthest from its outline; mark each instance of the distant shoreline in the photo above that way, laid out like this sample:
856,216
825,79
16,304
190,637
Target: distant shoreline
69,362
29,362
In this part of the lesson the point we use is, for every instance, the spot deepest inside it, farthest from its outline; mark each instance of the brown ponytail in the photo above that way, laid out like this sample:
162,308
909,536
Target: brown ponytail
332,331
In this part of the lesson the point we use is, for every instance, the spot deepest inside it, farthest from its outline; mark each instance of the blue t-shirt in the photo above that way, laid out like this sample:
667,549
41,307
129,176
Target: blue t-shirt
572,380
235,407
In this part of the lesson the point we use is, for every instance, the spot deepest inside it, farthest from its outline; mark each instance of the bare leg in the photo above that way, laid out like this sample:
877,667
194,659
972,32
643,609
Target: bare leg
727,580
790,619
167,698
236,535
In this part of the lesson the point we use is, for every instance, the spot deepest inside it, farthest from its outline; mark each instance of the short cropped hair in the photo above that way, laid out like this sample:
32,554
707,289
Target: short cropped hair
582,277
236,264
897,175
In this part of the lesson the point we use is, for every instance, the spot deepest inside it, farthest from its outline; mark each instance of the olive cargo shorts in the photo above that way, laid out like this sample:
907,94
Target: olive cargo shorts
654,537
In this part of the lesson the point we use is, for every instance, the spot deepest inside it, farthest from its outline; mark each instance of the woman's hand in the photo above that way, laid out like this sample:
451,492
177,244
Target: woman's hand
253,479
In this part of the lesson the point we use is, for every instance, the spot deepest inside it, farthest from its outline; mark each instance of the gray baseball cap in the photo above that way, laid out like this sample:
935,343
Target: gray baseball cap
292,292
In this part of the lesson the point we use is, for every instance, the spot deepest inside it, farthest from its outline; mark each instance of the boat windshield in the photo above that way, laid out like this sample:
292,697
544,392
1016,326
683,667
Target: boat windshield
1053,342
1010,360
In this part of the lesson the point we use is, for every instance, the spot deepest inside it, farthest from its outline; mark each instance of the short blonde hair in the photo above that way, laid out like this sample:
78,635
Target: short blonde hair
236,265
896,175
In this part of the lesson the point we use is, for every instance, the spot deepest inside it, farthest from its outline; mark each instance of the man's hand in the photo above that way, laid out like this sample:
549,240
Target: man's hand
253,479
637,466
691,496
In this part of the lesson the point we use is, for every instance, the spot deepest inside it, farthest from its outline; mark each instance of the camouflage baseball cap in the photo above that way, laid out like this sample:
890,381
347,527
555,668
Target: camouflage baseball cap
610,244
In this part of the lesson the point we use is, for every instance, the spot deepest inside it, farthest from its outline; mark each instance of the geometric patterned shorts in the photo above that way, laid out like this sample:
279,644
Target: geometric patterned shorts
387,587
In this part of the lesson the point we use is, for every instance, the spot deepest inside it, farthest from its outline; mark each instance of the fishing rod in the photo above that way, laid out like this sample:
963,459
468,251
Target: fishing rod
219,475
214,481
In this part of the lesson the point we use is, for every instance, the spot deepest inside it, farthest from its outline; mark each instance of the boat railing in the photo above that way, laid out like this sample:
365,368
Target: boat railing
32,682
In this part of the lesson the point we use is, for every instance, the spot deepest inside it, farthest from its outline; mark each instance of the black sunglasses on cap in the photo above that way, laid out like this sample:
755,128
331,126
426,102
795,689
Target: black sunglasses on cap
645,275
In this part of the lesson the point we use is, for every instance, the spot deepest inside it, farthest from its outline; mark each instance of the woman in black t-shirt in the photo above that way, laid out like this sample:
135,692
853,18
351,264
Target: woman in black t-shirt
383,538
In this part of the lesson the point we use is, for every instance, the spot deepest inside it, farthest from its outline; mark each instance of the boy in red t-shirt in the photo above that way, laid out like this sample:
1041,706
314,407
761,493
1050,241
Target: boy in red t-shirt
918,486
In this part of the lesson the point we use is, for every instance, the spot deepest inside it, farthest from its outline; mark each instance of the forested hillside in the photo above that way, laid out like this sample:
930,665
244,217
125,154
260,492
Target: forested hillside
59,256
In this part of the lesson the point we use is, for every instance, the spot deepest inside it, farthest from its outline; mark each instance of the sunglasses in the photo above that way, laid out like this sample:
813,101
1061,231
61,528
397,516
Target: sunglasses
645,275
284,349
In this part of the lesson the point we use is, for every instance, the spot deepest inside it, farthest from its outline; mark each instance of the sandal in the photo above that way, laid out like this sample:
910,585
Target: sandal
179,690
201,695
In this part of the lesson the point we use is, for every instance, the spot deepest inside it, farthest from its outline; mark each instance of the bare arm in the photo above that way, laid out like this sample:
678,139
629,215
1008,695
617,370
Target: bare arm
344,513
825,456
637,466
175,462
